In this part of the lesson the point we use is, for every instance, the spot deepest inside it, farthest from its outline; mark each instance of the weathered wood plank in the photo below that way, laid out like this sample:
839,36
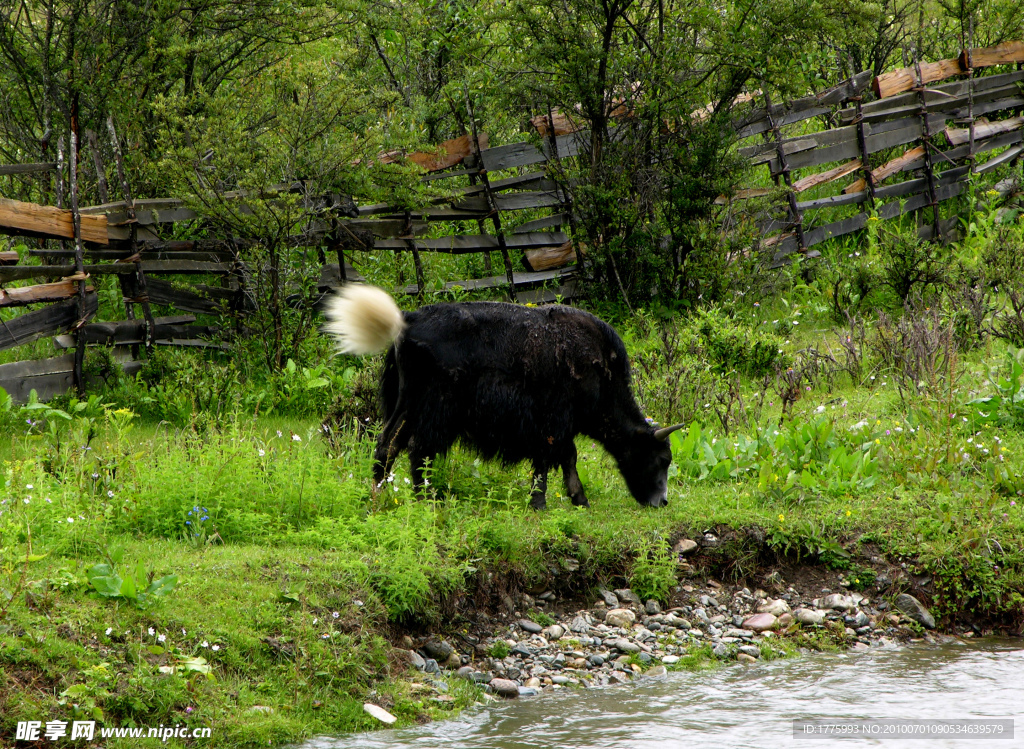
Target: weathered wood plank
46,292
164,292
43,322
467,243
9,257
48,377
330,278
911,159
821,178
1000,54
959,136
494,282
811,106
1004,158
565,292
31,219
558,219
905,79
6,169
549,257
511,156
939,97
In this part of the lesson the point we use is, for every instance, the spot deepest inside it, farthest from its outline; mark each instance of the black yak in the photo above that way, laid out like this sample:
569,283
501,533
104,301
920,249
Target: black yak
515,383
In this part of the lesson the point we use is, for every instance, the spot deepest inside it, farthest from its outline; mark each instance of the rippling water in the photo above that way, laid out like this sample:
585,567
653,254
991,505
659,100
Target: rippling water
746,707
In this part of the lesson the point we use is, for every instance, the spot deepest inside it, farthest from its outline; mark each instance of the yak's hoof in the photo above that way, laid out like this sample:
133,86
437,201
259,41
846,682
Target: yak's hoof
538,503
581,502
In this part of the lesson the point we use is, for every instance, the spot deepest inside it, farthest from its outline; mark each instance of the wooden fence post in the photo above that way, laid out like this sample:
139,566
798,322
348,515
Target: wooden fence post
410,241
140,293
76,219
491,202
926,141
865,158
796,220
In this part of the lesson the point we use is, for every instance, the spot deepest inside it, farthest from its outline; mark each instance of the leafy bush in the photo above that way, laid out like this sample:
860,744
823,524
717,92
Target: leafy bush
654,570
735,346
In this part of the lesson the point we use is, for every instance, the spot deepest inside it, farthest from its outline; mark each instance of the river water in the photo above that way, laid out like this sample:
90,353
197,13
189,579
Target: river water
747,707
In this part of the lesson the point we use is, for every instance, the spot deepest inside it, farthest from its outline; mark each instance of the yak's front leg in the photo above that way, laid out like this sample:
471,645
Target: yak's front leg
573,485
418,462
538,500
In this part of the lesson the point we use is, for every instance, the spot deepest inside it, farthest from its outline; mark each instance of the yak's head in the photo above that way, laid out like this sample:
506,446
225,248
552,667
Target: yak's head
644,465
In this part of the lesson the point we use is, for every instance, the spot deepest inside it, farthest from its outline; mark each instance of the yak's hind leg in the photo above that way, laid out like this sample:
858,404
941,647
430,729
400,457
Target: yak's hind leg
573,485
394,438
538,498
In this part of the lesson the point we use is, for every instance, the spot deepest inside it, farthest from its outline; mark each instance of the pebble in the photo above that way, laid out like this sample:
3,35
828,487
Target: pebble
652,607
529,626
751,650
627,595
760,622
720,650
915,610
685,546
440,650
625,646
744,658
778,607
504,688
579,625
670,659
609,598
430,666
809,616
416,660
836,601
620,618
554,632
656,671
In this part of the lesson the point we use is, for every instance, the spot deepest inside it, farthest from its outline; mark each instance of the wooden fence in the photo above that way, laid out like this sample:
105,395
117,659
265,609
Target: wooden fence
937,132
883,128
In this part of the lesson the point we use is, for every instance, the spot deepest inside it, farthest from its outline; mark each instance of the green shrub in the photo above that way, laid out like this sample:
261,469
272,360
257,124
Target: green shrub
732,345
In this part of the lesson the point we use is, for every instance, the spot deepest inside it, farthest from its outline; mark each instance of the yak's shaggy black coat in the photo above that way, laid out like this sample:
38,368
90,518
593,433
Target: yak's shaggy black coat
516,383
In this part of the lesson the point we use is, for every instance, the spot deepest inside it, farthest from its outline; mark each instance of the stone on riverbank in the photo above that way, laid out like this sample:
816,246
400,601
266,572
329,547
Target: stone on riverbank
627,595
685,546
809,616
529,626
609,598
620,618
505,688
379,713
415,660
915,610
439,650
777,607
554,632
760,622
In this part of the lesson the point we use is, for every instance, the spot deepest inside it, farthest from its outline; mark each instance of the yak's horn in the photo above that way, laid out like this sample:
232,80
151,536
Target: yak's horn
663,433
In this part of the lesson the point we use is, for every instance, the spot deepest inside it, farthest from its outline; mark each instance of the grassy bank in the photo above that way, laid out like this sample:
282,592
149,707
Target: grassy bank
200,566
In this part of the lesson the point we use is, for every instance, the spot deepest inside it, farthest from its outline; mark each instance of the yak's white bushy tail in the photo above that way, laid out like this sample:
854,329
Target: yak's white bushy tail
363,319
